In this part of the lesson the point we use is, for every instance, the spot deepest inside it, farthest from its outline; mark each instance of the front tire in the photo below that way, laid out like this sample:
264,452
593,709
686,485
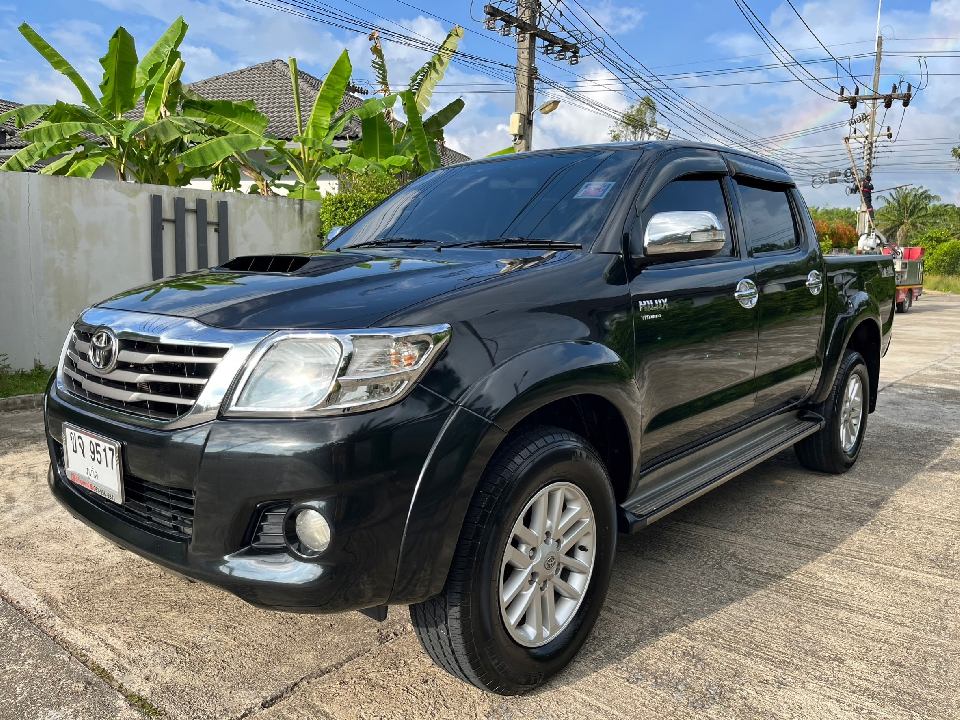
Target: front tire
531,568
836,446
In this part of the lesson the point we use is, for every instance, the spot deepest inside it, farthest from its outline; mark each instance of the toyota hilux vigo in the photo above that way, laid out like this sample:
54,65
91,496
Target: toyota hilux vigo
460,401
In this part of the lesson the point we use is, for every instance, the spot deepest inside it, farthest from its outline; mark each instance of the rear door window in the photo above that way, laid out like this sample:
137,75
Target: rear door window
768,218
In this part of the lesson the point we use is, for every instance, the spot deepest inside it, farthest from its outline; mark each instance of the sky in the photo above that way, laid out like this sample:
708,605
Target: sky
676,42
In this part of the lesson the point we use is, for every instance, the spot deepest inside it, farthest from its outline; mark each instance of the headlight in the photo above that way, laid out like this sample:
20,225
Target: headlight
331,373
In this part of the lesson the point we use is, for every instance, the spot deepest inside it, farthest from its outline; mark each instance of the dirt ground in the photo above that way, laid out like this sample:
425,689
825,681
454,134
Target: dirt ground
782,594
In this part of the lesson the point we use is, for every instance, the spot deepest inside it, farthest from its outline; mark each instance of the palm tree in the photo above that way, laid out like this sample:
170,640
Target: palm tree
905,212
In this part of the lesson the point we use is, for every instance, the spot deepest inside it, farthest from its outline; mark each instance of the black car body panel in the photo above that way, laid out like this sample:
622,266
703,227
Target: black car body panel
660,360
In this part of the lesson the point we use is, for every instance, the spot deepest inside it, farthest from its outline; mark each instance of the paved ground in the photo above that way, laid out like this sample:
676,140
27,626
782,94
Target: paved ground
783,594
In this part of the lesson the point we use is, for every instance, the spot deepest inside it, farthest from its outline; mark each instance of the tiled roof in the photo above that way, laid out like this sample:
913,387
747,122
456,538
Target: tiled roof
9,135
268,84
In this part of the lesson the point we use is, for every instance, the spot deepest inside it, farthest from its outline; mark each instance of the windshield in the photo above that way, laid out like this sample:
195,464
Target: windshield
564,197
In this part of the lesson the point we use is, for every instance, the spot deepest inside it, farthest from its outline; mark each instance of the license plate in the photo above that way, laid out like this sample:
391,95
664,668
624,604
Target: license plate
93,462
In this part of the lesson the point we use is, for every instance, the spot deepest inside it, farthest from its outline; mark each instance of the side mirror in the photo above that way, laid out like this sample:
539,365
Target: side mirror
334,231
682,235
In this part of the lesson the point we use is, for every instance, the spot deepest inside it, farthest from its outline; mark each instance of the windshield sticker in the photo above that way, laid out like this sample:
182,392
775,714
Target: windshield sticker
594,190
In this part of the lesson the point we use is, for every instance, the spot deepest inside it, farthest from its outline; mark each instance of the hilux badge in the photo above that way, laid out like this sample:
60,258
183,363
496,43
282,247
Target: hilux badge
103,350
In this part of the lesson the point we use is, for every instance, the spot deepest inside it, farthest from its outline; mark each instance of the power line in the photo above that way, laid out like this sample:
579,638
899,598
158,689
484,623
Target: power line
839,64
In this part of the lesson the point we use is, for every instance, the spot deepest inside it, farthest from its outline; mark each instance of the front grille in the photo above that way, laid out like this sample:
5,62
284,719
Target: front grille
163,510
268,532
161,381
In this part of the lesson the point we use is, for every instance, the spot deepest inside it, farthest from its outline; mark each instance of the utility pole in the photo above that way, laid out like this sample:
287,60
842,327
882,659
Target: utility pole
869,143
524,20
521,124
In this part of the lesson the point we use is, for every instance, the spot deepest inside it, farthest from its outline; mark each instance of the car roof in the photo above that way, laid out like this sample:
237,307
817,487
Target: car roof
656,146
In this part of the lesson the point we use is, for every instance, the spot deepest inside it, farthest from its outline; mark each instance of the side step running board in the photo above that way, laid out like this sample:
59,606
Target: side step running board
637,513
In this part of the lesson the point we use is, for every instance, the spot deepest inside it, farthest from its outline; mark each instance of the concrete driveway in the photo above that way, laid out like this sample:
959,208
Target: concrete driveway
783,594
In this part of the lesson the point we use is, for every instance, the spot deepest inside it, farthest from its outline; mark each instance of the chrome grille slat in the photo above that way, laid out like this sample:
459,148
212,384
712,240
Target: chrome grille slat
157,380
134,377
139,358
122,395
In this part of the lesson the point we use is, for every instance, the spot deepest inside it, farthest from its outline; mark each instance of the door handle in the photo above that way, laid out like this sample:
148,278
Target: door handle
746,293
815,282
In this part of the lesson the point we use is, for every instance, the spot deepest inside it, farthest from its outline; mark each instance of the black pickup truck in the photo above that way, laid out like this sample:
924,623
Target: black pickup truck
459,402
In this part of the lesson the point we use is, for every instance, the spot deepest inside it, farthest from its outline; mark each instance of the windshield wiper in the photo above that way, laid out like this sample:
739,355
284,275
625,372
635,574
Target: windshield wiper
395,242
522,242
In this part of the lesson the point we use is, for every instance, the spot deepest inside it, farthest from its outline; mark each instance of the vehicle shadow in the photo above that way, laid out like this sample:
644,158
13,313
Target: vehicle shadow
745,536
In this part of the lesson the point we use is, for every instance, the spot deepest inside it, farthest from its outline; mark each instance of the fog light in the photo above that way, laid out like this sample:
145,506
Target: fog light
313,531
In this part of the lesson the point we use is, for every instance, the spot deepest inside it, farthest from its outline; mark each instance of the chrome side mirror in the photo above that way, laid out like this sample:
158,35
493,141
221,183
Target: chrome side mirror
334,231
683,233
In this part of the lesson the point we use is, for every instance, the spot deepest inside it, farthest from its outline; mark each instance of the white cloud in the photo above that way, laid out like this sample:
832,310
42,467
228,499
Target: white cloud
616,19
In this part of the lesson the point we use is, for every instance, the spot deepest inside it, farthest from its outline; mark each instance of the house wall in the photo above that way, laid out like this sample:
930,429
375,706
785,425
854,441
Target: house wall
66,243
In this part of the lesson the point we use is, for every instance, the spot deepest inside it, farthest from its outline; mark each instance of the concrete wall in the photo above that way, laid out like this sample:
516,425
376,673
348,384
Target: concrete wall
66,243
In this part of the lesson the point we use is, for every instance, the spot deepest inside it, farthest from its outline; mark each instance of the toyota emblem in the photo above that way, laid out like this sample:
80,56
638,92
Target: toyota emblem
103,350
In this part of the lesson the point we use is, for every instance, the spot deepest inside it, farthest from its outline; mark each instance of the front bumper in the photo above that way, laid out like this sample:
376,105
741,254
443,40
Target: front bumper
362,469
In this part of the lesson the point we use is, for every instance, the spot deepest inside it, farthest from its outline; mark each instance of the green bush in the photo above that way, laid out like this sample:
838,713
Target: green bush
932,238
825,247
944,259
358,194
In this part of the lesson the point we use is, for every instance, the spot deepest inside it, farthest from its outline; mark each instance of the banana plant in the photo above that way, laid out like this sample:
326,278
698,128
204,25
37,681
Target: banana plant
103,130
417,139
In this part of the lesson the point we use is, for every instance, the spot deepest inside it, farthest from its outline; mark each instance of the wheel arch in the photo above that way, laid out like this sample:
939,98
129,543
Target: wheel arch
577,386
858,329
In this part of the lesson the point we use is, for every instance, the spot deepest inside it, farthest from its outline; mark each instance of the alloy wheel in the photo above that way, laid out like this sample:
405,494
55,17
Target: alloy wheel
546,564
851,413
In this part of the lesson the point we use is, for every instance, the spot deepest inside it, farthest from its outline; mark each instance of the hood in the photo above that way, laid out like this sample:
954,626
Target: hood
329,290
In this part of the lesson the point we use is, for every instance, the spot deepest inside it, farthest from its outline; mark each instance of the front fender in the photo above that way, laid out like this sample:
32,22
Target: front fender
860,308
470,437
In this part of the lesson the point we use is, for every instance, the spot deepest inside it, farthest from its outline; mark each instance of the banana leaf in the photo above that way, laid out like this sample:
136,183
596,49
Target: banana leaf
230,116
119,74
426,79
158,55
52,132
61,163
171,128
25,114
330,96
59,64
426,148
215,150
67,112
377,138
433,125
397,163
29,156
158,85
87,166
172,87
505,151
379,64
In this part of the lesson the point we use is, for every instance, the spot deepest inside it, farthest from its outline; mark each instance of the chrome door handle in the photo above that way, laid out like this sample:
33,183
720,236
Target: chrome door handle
746,293
815,282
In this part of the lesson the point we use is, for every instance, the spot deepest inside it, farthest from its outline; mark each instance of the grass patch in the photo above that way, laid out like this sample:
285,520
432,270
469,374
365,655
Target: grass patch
22,382
138,702
943,283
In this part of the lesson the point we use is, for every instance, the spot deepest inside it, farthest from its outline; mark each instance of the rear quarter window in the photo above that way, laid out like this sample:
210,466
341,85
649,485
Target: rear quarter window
768,217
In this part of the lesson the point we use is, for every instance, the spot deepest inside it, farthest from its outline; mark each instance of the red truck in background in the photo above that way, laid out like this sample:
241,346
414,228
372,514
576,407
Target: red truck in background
908,266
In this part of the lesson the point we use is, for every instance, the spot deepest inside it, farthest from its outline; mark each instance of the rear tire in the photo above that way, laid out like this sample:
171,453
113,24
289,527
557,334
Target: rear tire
836,446
547,473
